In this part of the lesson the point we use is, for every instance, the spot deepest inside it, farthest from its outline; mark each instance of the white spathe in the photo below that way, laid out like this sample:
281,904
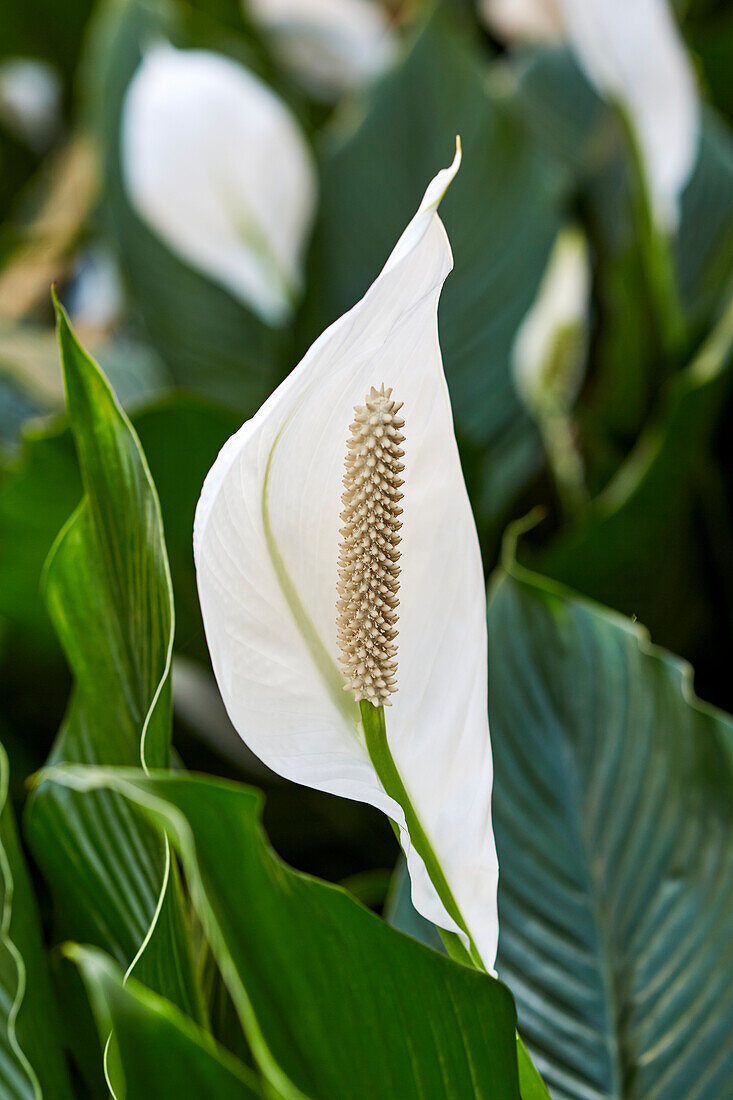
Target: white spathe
524,20
552,337
633,53
329,46
266,543
218,167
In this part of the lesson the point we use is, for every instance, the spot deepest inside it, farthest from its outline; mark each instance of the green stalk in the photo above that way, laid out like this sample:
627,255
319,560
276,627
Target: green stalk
375,733
656,257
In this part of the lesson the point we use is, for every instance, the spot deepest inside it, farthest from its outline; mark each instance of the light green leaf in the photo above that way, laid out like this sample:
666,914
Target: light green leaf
613,812
32,1065
109,595
162,1053
336,1005
502,215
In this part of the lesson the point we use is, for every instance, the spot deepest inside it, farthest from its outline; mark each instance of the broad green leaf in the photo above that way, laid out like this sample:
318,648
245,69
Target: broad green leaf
336,1005
613,814
501,214
109,595
209,341
162,1052
32,1065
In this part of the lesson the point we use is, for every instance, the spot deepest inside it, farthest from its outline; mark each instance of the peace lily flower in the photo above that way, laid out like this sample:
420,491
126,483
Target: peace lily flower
30,100
549,359
633,54
330,46
218,167
529,20
552,341
342,590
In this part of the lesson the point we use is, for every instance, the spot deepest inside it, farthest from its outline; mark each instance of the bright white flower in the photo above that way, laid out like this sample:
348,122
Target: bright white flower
218,167
330,46
30,99
551,343
632,52
267,539
526,20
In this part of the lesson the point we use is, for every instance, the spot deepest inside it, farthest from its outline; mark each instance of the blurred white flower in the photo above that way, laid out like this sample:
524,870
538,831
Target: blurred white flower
525,20
218,167
268,529
95,298
551,343
330,46
632,51
30,100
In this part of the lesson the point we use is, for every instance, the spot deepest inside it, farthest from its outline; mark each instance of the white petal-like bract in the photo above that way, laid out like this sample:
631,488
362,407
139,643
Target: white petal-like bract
330,46
266,544
524,20
632,52
218,167
551,342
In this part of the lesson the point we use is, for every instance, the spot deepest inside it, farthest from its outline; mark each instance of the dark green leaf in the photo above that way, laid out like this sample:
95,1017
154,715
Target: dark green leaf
32,1065
614,827
163,1054
109,595
336,1004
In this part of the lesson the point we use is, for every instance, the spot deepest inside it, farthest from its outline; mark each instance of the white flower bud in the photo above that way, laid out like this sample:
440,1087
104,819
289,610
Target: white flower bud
525,20
30,100
551,343
218,167
329,46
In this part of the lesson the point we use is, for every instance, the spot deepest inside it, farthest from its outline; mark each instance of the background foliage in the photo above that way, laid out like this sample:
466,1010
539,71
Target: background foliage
613,780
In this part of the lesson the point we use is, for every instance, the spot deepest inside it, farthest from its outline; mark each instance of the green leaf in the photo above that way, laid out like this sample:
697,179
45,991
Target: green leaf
109,595
162,1052
336,1005
32,1065
612,810
209,341
502,214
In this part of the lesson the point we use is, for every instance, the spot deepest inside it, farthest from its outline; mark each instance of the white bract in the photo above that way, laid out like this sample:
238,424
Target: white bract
528,20
218,167
632,52
266,544
551,343
330,46
30,99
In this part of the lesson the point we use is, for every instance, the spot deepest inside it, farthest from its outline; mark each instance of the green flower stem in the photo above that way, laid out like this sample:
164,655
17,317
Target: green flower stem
656,257
565,461
375,733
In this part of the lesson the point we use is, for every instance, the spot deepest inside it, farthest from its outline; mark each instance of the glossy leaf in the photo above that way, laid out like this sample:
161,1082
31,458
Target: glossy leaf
109,595
613,815
335,1003
161,1051
32,1065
